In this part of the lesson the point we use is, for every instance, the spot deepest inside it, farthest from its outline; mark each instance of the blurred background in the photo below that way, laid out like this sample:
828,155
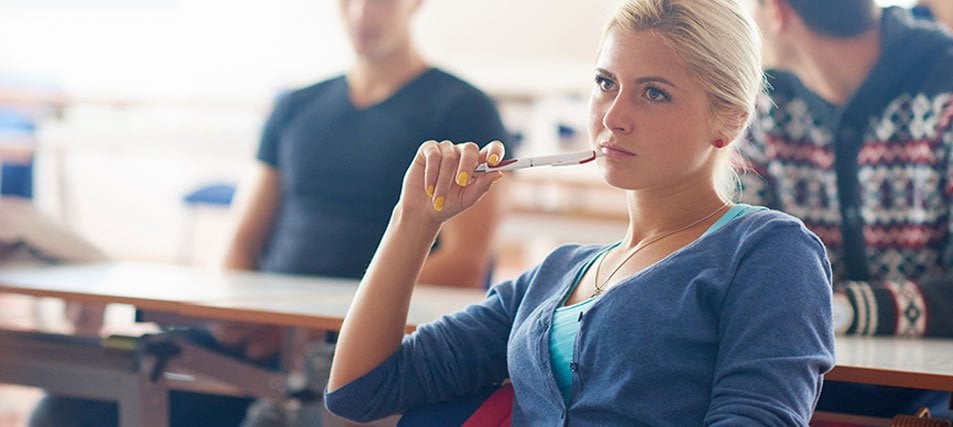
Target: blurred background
130,122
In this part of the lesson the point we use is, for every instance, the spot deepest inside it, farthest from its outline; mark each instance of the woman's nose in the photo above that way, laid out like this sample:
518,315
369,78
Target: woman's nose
618,116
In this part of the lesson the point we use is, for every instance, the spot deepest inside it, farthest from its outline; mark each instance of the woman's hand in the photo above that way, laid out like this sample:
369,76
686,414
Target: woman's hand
441,183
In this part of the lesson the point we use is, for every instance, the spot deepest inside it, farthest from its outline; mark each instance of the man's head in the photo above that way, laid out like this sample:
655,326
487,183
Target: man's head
378,28
782,22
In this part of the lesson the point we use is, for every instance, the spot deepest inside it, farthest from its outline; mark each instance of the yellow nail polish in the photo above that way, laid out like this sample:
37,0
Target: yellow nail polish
496,178
430,191
494,159
438,204
462,178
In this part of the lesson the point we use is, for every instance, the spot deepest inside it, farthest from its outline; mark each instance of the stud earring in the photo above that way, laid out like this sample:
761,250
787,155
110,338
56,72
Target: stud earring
719,143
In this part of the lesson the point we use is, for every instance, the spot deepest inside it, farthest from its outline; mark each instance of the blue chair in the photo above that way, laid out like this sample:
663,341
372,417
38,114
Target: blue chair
16,179
218,195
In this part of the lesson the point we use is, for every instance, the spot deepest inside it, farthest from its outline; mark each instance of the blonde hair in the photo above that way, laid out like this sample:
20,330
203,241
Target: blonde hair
721,45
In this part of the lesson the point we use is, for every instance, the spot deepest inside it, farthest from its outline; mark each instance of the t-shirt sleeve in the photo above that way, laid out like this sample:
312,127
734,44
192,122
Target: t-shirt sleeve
271,134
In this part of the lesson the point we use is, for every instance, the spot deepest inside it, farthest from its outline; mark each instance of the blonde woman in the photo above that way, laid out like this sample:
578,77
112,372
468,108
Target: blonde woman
705,311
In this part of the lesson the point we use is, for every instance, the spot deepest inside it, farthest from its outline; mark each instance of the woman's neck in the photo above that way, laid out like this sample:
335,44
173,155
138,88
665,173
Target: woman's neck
650,216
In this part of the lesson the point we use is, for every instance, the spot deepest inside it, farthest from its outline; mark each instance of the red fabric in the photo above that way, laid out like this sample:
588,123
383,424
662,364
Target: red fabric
495,410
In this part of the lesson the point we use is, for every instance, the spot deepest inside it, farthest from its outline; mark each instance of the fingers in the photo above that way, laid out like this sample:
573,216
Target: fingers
230,334
493,152
469,159
446,173
430,152
264,342
447,165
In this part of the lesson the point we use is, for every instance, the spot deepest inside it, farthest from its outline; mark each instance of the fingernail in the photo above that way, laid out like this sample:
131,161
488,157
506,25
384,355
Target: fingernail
438,204
496,178
462,178
430,191
494,159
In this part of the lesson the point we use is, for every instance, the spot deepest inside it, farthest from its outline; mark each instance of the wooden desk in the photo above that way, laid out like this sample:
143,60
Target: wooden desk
323,306
81,368
899,362
285,300
321,303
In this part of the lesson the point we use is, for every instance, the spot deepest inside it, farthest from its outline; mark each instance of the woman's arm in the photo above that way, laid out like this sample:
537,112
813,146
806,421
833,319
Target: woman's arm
776,337
434,190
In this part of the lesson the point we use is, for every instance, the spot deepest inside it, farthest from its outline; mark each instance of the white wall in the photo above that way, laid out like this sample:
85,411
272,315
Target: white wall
187,84
227,48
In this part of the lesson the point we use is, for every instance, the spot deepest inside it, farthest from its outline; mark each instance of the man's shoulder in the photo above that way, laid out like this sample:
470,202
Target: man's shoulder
783,84
307,94
453,86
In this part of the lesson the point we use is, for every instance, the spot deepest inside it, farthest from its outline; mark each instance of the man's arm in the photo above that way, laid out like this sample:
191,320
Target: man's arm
254,210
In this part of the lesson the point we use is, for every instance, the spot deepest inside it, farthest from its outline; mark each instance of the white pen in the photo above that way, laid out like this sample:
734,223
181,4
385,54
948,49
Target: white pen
566,159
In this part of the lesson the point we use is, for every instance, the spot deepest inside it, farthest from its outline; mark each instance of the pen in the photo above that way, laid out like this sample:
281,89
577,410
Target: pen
566,159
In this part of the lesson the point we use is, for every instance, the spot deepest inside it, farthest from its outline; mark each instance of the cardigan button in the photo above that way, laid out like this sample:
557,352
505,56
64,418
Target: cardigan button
573,367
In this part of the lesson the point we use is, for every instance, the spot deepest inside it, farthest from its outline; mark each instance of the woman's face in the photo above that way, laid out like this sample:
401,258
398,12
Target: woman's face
648,116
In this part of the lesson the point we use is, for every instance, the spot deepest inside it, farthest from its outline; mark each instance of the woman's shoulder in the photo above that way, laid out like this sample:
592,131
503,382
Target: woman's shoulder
763,224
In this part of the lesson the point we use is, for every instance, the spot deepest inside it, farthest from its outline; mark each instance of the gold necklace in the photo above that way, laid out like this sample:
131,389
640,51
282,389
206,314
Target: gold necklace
600,287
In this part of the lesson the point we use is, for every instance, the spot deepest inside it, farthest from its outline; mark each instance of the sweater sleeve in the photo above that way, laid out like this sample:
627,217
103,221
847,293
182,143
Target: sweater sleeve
776,337
454,356
910,307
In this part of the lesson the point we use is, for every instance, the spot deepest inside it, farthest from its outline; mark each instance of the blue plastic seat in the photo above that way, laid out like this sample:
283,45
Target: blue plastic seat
219,194
16,179
216,195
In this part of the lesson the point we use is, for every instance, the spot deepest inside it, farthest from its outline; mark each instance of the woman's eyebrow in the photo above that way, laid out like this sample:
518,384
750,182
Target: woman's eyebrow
658,79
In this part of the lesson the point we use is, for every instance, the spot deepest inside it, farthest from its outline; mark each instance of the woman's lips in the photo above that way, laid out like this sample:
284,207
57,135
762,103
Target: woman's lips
613,151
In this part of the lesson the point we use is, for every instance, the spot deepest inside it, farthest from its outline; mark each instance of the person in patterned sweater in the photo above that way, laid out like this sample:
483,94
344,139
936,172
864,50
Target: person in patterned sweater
857,140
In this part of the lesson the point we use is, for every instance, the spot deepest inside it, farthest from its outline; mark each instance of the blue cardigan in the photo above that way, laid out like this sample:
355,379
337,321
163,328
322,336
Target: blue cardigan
732,329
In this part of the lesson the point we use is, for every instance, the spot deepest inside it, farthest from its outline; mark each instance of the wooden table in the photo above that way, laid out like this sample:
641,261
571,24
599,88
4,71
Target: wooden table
285,300
81,367
320,303
899,362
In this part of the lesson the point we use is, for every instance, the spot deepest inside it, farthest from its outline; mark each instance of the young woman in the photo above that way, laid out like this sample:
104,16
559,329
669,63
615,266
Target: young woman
706,312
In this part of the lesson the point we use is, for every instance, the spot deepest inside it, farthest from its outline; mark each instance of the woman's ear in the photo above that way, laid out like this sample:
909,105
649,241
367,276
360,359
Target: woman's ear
732,125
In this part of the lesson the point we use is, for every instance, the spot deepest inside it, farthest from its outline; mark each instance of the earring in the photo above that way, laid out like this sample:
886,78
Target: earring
719,143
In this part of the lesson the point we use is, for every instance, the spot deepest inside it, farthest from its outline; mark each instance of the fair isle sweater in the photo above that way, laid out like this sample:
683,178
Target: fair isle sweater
732,329
872,178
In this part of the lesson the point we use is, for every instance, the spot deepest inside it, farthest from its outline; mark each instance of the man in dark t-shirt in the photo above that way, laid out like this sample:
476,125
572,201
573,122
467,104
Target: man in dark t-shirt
340,165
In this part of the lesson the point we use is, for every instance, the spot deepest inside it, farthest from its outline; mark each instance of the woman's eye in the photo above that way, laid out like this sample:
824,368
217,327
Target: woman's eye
656,95
604,83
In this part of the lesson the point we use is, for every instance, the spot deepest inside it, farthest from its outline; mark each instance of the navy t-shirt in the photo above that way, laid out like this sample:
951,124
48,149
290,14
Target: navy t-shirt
341,166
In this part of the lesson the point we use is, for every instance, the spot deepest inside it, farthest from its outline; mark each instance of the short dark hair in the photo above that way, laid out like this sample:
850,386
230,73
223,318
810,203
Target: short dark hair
836,18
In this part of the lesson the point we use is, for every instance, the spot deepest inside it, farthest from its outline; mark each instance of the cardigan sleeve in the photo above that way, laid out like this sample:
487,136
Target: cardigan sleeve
454,356
776,337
